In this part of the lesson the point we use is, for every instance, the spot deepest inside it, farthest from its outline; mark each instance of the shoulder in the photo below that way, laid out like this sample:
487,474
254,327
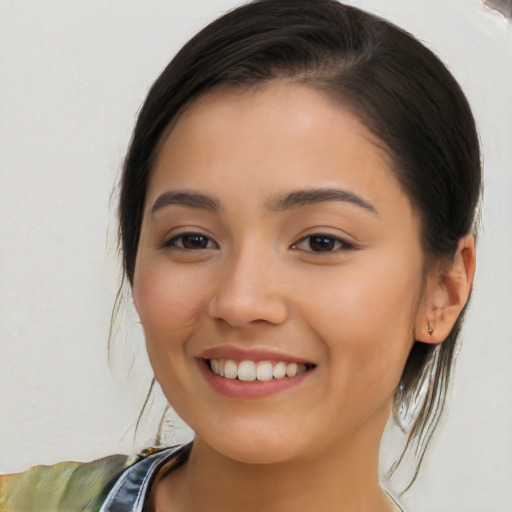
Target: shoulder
67,486
115,484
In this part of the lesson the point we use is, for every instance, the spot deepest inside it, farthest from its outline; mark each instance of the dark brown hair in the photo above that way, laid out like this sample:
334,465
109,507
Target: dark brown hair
397,87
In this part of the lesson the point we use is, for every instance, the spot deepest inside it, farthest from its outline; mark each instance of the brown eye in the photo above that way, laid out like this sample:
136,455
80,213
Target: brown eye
191,242
322,243
194,242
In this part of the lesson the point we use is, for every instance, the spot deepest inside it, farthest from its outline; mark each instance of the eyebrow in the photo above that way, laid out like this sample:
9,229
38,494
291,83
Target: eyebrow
320,195
186,198
289,201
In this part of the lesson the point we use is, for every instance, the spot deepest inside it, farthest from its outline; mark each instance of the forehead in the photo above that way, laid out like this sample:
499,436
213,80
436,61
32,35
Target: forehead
267,138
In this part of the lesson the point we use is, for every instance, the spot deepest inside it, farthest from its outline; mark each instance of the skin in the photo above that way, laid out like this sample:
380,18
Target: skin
256,279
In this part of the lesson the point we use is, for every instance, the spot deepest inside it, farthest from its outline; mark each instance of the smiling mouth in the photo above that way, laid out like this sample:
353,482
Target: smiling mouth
251,371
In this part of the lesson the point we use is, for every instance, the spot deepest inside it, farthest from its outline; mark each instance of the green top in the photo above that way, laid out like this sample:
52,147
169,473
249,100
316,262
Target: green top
63,487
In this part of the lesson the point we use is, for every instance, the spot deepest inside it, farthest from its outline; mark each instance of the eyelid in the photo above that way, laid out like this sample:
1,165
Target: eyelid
169,242
345,245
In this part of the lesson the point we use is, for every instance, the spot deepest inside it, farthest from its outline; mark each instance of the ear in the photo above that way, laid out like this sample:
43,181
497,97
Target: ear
447,290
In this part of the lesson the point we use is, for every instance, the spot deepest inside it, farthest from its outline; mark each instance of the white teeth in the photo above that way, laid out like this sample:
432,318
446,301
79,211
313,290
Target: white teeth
250,371
230,369
247,371
280,370
291,369
264,371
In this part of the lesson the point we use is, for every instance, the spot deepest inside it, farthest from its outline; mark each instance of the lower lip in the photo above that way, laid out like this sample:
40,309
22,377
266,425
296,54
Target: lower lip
255,389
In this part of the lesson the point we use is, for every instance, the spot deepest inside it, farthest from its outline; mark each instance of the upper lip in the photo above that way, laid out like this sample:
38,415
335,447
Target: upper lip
244,354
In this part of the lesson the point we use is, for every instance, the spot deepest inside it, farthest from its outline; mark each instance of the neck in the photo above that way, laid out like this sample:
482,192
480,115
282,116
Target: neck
343,479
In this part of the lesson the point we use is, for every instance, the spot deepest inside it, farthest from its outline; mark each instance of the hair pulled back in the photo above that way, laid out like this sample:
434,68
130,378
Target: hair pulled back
396,86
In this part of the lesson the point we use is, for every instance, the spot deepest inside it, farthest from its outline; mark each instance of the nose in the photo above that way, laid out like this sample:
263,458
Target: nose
249,291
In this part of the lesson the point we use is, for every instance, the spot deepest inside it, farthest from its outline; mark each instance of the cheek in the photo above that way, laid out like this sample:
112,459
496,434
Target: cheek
366,317
169,303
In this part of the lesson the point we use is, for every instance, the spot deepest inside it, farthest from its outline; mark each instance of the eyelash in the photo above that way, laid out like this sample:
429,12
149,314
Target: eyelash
330,243
334,244
174,241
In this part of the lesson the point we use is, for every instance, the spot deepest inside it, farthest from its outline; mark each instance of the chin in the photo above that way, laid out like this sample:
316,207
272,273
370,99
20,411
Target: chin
255,455
254,449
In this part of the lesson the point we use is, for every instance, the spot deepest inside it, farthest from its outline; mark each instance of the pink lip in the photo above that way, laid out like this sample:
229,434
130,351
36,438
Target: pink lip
256,389
242,354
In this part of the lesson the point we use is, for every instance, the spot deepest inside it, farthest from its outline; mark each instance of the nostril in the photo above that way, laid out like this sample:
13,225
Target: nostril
250,308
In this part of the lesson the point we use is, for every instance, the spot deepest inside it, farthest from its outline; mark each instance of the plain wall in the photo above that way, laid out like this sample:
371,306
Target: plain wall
72,76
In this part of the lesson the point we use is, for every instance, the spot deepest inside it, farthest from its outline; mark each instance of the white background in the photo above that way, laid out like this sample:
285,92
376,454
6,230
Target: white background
72,76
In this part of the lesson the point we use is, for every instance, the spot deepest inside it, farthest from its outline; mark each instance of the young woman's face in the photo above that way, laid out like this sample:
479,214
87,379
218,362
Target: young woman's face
276,239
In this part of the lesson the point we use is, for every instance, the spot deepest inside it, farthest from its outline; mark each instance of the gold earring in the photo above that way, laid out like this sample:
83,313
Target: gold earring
430,330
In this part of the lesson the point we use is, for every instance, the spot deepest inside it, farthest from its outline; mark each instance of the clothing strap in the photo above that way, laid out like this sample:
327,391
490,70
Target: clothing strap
131,491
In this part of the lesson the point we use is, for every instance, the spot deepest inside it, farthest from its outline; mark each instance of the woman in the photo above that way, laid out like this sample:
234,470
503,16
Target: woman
296,217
